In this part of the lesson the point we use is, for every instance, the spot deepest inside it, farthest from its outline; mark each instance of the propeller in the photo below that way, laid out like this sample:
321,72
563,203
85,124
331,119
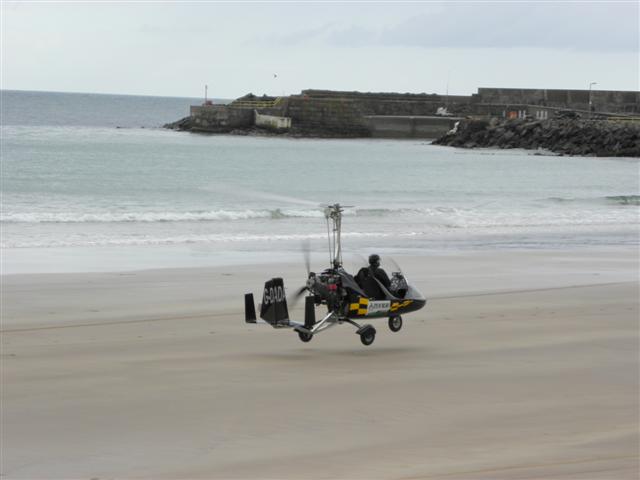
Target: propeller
296,295
306,252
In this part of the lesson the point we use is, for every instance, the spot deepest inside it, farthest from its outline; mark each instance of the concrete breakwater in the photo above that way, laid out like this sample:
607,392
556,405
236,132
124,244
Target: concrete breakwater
325,113
309,117
564,136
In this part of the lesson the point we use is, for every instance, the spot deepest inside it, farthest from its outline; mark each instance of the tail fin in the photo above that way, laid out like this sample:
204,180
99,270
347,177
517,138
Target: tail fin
274,303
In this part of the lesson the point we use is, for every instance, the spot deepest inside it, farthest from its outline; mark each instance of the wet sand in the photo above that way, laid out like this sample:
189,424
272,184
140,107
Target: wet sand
522,365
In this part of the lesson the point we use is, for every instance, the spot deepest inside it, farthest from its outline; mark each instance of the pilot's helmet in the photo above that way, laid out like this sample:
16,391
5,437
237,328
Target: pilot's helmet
374,260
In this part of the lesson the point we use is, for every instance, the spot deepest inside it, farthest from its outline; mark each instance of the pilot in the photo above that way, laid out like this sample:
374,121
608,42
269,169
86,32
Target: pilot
378,272
365,278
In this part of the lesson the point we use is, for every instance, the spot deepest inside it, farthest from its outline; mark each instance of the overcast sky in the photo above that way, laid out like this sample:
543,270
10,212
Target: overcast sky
175,48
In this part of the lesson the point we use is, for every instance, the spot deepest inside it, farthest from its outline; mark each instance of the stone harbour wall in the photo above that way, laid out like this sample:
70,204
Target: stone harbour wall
382,126
324,116
215,119
223,118
394,104
612,101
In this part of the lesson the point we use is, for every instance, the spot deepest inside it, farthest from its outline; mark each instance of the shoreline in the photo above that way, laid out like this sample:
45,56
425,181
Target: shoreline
115,258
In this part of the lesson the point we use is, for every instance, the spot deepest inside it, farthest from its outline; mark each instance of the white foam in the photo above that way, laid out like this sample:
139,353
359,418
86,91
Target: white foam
151,216
76,241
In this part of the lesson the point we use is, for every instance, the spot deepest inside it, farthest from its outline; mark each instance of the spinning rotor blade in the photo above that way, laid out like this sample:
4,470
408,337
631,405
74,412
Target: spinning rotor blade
393,264
359,259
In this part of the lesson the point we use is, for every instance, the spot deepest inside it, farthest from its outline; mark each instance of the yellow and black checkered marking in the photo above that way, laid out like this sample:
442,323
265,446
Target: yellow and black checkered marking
360,308
396,305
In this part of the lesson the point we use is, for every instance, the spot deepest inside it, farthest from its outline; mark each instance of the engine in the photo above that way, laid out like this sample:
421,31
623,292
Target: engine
327,289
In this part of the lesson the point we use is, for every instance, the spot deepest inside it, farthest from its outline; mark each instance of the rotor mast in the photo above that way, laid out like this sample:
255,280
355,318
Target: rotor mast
333,214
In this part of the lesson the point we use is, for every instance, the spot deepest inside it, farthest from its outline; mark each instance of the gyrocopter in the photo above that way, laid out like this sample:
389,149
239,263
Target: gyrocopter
348,299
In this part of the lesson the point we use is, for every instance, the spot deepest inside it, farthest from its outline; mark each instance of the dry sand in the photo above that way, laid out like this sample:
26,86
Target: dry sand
523,365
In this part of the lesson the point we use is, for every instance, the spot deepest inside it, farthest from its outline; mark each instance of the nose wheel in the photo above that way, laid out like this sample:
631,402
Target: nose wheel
395,323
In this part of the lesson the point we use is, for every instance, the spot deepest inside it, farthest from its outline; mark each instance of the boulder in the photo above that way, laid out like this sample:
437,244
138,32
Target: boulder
570,136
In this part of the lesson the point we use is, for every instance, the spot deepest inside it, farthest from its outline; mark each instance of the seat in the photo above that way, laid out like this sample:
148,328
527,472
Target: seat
369,284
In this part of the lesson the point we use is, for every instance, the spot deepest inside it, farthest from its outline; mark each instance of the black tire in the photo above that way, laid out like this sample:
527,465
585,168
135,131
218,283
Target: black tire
305,337
368,336
395,323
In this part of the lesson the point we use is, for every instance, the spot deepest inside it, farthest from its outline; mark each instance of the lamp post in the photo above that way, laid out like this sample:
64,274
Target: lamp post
446,102
590,101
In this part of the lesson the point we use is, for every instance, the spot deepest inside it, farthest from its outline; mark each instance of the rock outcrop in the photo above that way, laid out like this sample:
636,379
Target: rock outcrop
600,138
185,123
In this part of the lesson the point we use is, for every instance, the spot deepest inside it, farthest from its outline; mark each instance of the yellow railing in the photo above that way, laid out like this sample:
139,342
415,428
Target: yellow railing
624,119
256,103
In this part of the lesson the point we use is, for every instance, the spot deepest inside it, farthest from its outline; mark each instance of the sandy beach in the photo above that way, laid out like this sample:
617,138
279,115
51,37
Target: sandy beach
523,365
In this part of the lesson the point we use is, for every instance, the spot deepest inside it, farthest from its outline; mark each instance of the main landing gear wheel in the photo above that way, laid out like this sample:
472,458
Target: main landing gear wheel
395,323
368,336
305,337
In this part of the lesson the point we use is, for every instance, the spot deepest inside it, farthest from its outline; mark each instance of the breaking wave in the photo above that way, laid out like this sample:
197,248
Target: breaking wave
190,239
609,200
151,217
625,199
193,216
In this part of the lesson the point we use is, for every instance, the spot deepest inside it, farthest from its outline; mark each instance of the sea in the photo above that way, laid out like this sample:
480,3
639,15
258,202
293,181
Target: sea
92,182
